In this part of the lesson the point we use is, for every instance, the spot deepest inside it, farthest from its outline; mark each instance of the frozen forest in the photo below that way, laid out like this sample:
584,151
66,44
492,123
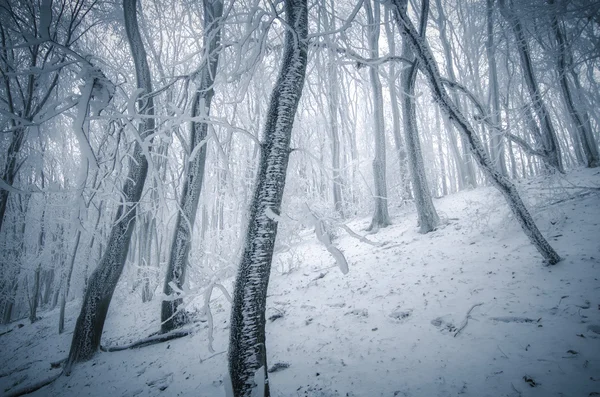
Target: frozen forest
254,198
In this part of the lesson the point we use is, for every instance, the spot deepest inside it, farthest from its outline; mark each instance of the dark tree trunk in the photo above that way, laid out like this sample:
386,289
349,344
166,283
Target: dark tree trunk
247,349
192,185
103,281
503,184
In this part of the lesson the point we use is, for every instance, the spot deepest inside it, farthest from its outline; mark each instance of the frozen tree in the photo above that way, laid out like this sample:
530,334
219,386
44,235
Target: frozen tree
381,217
103,281
584,136
504,185
497,144
192,185
428,217
247,349
549,140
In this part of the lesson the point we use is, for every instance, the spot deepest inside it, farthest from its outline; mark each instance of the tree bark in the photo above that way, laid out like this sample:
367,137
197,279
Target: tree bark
430,69
247,349
428,217
192,185
103,281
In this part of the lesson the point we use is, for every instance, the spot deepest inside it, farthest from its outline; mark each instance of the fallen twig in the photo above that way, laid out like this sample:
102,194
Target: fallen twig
466,320
148,341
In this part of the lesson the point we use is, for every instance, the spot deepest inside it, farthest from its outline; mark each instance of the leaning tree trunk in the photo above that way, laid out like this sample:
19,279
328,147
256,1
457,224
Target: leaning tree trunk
549,140
428,217
590,149
431,71
103,281
247,350
192,185
381,217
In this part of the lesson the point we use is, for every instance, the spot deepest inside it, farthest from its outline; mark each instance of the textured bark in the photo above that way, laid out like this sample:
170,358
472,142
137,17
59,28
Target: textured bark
590,150
548,139
103,281
503,184
192,185
247,349
428,217
381,217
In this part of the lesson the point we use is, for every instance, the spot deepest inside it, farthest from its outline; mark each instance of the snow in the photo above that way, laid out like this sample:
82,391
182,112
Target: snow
390,326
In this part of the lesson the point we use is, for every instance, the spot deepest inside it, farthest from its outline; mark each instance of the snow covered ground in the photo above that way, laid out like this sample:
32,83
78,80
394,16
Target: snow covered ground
395,325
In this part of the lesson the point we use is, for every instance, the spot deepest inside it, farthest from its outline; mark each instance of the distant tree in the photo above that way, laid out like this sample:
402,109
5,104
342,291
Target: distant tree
549,140
503,184
247,349
381,217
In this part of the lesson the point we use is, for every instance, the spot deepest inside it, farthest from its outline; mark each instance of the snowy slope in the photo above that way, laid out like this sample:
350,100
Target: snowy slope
390,327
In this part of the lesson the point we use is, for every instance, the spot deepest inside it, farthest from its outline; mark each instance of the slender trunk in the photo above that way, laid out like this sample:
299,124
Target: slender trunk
497,143
549,140
396,126
192,185
441,152
464,164
430,69
589,147
428,217
381,217
247,349
103,281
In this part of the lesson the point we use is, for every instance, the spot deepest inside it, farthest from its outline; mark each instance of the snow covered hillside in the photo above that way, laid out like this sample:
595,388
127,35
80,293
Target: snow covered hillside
469,309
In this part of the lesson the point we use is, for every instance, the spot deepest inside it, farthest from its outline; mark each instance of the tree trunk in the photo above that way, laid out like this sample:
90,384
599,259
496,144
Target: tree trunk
247,349
464,165
65,294
430,69
192,185
103,281
428,217
590,150
396,127
548,139
381,217
497,143
10,169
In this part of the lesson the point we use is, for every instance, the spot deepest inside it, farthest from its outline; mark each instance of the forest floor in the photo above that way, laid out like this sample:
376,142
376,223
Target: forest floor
469,309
